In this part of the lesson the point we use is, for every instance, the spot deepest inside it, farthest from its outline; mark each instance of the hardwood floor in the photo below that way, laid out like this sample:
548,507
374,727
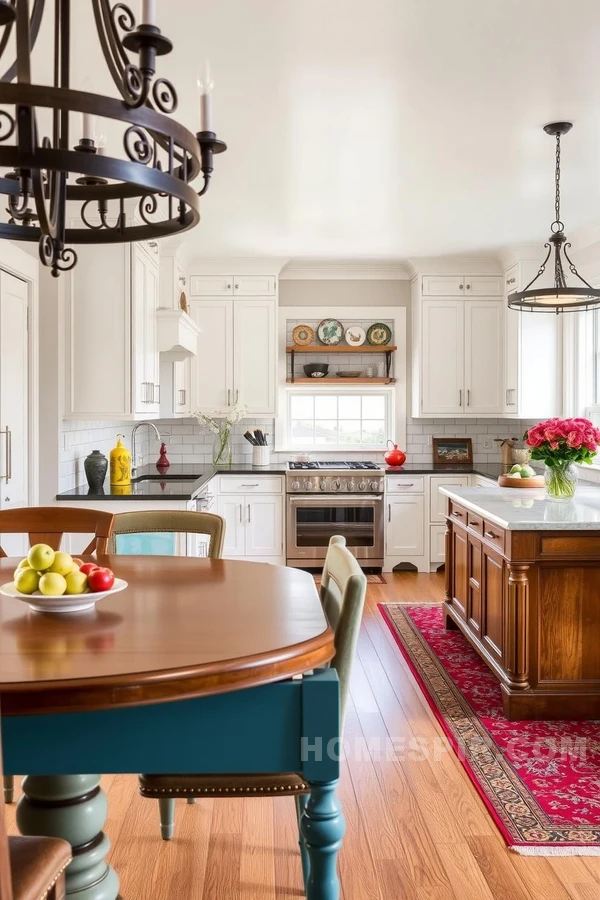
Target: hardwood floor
416,829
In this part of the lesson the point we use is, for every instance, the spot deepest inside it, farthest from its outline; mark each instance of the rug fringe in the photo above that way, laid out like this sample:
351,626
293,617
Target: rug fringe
555,851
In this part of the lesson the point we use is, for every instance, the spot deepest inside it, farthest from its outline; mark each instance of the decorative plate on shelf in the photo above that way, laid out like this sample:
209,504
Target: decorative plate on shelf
330,331
379,334
355,335
302,335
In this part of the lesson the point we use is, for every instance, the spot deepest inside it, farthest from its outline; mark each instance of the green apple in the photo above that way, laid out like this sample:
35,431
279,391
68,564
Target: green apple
63,563
40,557
514,475
516,469
76,582
528,472
26,580
52,584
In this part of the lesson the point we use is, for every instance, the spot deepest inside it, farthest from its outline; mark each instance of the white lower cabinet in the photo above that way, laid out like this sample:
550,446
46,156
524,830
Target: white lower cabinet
437,544
264,533
232,510
438,502
406,518
254,521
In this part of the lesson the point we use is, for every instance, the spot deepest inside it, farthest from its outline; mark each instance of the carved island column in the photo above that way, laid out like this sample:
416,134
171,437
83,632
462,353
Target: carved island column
517,627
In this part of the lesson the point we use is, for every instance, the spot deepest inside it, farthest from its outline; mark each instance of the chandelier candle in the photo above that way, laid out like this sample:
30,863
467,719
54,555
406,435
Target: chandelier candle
149,12
561,443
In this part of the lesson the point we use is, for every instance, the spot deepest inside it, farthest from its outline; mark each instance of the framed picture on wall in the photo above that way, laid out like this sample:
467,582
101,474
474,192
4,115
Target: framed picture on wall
452,451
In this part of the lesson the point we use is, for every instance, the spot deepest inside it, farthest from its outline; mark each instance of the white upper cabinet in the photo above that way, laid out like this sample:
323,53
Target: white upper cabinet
462,285
212,368
112,367
484,362
442,357
254,352
233,285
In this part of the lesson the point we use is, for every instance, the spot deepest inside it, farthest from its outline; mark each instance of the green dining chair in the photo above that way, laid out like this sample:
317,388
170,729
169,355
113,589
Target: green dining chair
171,521
343,591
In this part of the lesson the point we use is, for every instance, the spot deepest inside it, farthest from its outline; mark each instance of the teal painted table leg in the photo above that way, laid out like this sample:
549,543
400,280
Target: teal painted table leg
300,807
72,807
322,829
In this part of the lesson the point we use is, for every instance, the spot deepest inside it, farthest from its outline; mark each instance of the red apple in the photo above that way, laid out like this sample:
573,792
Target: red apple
86,568
100,579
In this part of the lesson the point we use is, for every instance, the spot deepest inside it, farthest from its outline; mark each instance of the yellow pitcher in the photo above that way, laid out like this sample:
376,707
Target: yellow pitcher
120,463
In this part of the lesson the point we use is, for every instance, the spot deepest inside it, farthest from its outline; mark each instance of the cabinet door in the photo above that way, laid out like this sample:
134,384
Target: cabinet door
484,362
438,502
474,560
443,286
484,286
492,614
264,525
233,509
540,351
254,354
211,286
460,571
442,357
141,386
212,368
512,319
14,401
151,359
405,527
253,286
437,543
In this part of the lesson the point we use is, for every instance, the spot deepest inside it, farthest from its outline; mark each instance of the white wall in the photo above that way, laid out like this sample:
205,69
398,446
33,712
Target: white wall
328,293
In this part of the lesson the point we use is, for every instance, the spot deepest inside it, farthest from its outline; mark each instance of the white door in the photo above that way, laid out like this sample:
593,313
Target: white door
484,356
255,351
443,286
404,531
253,286
233,511
264,525
211,286
14,404
212,368
442,357
484,285
438,502
150,339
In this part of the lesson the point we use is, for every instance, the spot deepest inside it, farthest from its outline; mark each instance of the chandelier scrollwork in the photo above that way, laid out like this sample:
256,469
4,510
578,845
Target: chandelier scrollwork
63,189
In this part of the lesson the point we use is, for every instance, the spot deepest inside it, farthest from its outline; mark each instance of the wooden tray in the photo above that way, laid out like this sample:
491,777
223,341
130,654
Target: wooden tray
537,481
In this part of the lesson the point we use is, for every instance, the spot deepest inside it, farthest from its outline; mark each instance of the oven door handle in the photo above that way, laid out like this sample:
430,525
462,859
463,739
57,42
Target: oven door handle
337,500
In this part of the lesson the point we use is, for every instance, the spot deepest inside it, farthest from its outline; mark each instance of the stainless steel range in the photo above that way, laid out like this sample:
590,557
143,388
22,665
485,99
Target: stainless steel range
327,498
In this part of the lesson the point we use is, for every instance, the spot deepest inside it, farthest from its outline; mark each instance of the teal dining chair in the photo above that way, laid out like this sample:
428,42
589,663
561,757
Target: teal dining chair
343,591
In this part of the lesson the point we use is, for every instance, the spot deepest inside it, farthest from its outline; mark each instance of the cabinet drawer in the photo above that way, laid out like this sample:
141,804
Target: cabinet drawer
250,484
211,286
494,535
443,286
253,286
405,484
458,514
475,522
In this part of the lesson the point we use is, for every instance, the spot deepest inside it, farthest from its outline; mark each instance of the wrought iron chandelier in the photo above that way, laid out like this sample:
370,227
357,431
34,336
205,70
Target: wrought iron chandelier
560,298
145,193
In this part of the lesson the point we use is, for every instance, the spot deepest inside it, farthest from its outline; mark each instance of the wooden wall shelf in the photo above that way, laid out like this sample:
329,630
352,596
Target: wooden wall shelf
339,348
339,381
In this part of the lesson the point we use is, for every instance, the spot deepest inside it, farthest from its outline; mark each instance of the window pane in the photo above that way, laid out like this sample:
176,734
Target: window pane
373,431
373,407
301,407
326,407
349,407
349,432
326,433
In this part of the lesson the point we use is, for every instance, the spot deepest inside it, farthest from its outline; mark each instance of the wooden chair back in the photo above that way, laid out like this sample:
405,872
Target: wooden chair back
48,524
171,521
343,592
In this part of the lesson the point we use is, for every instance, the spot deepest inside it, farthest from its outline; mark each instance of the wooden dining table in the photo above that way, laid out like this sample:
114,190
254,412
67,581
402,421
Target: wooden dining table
198,666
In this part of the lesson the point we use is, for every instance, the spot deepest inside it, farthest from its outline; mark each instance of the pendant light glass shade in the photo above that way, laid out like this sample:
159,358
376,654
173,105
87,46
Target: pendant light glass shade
560,298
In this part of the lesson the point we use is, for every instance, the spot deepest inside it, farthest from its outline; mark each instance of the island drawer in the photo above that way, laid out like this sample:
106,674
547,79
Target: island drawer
250,484
405,484
475,522
494,535
458,513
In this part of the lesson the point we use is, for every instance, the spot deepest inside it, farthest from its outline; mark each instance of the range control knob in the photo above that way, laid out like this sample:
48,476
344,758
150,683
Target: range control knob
309,485
295,485
336,485
374,485
362,485
323,484
350,485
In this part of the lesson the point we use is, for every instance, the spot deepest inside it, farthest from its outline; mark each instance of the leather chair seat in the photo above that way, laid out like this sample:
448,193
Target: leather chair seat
159,786
36,863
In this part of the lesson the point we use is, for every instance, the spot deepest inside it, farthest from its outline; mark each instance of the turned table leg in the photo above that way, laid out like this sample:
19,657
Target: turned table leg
72,807
322,828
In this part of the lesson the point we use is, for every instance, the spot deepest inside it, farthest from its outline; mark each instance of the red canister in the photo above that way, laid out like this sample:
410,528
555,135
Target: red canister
394,457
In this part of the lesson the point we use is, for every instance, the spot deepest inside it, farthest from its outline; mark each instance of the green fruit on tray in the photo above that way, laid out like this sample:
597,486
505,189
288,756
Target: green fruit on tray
528,472
514,475
516,470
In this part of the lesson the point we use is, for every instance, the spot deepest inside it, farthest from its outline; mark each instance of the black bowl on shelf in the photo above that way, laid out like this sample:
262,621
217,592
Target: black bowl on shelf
316,370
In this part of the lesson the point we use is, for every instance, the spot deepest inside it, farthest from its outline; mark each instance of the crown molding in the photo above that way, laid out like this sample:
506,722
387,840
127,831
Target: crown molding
344,270
454,265
236,265
508,256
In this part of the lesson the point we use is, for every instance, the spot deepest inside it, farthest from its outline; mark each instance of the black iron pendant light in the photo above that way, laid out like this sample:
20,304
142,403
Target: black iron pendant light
143,193
560,298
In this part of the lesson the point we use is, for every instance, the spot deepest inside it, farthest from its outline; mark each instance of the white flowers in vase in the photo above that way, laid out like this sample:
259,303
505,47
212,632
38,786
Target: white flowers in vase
220,422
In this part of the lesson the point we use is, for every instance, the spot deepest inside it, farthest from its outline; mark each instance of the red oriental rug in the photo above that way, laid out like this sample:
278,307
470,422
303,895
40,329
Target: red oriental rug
539,780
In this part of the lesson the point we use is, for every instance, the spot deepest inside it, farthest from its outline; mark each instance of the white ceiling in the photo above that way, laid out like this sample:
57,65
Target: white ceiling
388,128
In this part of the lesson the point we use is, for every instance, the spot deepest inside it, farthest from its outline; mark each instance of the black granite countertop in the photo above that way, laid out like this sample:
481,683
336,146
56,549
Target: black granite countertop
488,470
180,482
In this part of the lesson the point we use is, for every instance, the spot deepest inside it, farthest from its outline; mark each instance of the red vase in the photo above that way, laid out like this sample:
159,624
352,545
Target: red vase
163,463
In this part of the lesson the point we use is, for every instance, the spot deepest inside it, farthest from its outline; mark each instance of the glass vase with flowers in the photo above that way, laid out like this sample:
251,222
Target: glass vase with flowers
561,444
220,422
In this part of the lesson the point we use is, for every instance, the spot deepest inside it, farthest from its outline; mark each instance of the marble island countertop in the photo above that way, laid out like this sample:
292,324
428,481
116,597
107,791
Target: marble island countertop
518,509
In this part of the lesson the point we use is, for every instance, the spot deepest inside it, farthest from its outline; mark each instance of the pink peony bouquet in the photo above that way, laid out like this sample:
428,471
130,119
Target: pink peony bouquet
561,441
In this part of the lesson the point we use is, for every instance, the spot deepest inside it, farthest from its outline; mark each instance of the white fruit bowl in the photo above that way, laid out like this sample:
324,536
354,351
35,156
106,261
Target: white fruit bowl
65,603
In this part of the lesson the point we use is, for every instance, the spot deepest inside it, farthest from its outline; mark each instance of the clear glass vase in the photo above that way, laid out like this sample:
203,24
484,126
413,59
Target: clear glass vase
561,480
222,447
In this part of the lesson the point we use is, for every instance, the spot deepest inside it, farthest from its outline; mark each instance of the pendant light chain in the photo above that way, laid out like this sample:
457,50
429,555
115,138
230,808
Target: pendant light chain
559,225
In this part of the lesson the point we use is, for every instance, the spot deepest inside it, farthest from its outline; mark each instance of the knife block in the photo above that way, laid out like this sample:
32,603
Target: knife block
261,456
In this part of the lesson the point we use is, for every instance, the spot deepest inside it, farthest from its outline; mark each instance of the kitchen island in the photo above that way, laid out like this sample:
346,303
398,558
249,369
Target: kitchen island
523,585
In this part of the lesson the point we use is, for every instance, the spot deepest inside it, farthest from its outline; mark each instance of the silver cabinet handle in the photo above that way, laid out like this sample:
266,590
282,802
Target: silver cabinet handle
250,485
510,281
461,287
468,397
248,512
156,394
406,484
389,512
460,397
237,395
228,396
241,513
468,286
6,432
228,287
237,287
9,450
490,534
181,393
